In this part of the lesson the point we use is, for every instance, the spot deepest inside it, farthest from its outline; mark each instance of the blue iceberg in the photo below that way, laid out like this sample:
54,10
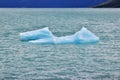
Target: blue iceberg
45,36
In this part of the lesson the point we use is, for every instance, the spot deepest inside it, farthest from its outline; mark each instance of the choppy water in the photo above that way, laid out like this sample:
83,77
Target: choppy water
24,61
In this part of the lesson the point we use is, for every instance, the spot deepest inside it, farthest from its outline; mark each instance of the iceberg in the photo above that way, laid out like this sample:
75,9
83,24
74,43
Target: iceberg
45,36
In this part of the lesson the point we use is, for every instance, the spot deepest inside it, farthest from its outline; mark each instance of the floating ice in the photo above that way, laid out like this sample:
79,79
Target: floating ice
45,36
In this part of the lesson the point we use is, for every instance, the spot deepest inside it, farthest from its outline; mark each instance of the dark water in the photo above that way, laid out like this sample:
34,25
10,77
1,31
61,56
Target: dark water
24,61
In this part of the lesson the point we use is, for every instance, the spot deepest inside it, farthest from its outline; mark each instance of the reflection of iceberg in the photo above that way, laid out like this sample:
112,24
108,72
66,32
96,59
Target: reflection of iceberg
45,36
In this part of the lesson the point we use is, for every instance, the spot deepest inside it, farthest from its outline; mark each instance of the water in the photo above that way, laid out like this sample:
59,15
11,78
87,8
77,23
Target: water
24,61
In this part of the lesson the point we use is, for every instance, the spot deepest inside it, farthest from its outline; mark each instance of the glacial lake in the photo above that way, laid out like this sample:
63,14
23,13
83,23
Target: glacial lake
23,61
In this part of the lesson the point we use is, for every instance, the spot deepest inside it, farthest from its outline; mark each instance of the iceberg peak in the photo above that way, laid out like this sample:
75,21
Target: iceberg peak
85,36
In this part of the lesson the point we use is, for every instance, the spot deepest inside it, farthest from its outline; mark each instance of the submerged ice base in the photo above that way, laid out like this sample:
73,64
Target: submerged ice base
45,36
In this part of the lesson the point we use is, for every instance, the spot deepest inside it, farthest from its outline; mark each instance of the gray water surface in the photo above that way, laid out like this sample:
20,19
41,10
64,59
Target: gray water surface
24,61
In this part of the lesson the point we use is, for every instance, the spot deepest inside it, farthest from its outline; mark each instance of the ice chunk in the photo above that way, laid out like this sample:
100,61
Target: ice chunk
45,36
36,34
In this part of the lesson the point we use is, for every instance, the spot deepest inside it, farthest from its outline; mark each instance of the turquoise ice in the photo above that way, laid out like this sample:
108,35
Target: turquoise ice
45,36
